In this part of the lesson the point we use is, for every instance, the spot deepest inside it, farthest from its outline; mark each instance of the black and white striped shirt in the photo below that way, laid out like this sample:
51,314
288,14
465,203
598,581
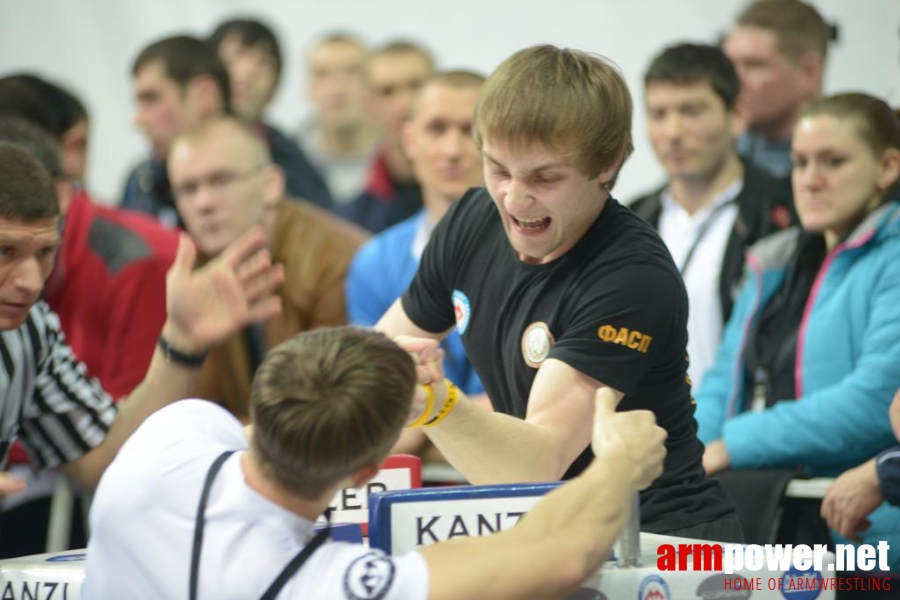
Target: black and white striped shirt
46,396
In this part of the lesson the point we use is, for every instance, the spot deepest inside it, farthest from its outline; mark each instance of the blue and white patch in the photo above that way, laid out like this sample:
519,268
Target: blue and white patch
369,577
801,585
462,309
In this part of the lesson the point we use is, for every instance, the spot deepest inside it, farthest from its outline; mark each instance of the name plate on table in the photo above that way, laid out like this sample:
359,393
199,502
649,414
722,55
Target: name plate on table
56,576
405,520
398,472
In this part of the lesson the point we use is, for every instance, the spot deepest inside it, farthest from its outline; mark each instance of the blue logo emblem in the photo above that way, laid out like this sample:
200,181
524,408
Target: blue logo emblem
68,558
801,585
462,309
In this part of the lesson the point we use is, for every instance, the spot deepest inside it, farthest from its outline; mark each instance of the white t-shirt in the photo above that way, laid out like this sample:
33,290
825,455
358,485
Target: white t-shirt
143,514
709,229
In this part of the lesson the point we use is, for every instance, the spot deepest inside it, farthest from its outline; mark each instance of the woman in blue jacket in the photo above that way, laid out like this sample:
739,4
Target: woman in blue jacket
810,358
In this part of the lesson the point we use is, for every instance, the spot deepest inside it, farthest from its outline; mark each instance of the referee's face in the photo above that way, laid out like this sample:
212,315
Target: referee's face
27,251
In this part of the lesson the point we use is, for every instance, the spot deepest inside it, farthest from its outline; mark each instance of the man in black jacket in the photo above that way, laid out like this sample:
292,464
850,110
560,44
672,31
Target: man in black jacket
714,205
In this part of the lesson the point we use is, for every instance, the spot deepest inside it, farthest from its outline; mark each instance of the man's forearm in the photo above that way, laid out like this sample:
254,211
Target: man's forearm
560,543
586,514
488,447
165,382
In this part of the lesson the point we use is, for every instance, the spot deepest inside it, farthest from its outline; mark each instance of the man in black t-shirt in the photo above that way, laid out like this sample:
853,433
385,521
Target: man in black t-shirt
560,294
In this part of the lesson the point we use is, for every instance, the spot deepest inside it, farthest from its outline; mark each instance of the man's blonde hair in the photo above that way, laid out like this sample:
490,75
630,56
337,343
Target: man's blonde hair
458,79
400,47
247,133
571,102
339,38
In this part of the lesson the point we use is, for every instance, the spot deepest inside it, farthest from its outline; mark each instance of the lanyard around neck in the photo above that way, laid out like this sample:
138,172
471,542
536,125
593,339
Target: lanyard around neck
701,233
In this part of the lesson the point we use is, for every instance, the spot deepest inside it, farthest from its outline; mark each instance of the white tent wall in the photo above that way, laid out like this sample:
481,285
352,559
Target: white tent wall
88,45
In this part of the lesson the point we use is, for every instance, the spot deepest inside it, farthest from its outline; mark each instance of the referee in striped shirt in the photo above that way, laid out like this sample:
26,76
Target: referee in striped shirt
47,399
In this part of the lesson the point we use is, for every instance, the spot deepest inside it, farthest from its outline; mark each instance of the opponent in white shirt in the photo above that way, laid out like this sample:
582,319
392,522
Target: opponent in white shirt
326,408
143,519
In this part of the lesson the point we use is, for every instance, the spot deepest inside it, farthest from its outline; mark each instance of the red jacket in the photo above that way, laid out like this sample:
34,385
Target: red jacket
109,289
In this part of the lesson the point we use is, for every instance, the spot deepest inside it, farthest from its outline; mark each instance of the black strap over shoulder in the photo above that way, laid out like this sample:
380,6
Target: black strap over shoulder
295,564
200,521
289,571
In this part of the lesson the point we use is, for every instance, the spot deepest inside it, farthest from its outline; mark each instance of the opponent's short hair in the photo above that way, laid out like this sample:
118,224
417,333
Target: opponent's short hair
326,403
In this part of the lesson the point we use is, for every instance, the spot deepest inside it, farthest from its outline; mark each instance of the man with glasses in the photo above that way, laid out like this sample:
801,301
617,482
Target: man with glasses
224,184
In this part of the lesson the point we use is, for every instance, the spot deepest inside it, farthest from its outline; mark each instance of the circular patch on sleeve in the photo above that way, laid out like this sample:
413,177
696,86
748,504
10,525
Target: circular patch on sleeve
462,309
536,343
369,577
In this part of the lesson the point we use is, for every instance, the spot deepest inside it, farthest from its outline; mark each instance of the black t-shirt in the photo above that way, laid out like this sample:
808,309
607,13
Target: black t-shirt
614,307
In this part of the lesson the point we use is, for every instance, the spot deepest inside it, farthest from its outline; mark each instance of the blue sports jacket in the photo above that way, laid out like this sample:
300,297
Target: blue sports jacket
847,366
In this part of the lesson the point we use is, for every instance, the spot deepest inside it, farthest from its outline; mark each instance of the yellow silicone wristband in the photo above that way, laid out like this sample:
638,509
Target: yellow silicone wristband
429,405
449,404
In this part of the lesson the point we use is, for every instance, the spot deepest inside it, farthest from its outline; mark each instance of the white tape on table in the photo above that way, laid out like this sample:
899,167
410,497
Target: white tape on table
56,576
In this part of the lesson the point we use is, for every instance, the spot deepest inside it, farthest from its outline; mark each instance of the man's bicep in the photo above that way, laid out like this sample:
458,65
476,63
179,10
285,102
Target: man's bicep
396,322
429,300
561,402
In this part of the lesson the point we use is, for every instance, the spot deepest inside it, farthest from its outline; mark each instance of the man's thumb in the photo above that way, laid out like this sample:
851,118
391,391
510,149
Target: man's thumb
605,402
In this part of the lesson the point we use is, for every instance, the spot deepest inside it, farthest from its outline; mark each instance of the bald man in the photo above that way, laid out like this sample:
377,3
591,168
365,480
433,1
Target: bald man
225,183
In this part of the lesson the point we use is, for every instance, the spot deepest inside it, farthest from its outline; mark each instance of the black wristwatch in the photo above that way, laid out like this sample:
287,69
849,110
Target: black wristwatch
182,358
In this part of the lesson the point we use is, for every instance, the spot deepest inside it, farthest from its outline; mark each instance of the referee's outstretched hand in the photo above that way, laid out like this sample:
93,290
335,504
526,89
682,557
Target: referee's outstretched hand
238,287
633,437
